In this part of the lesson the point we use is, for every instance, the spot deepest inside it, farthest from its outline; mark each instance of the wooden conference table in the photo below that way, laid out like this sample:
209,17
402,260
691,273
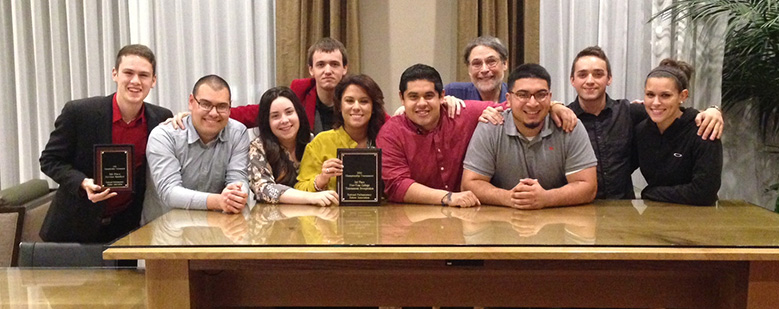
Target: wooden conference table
626,254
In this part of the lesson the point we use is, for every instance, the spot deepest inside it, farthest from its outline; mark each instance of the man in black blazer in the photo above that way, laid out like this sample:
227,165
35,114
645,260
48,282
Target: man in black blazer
81,210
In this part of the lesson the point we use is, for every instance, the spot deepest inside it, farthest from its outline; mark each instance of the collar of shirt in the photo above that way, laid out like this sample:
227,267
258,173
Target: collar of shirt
344,137
474,93
118,114
510,128
576,107
193,136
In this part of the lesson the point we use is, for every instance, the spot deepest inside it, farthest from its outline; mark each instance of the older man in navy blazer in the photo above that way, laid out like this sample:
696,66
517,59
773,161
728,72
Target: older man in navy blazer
83,211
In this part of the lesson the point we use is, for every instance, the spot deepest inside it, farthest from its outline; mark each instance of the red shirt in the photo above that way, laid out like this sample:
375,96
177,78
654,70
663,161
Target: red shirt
247,115
434,159
304,88
134,133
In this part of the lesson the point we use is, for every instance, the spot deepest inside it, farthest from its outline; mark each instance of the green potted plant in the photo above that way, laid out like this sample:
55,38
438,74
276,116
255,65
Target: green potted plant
774,187
750,64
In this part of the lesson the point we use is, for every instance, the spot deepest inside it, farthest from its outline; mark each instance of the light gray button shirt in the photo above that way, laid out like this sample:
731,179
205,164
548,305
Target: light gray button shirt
183,171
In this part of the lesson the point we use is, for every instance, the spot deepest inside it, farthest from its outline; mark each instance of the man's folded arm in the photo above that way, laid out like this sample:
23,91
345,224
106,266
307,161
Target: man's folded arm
486,192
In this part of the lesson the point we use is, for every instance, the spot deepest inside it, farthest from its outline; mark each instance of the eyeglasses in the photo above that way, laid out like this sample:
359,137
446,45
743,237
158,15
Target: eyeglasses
491,62
207,106
525,96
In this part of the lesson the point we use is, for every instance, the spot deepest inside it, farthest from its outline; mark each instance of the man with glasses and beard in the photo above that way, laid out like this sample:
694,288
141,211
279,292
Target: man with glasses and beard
527,162
487,61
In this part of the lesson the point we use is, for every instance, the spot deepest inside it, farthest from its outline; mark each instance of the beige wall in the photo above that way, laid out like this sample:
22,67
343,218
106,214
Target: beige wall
399,33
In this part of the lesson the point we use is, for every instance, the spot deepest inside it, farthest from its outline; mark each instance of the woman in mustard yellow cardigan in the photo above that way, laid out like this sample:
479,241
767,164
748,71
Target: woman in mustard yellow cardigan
359,114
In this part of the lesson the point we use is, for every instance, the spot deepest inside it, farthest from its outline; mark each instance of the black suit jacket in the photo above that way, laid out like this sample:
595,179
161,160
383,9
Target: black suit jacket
69,158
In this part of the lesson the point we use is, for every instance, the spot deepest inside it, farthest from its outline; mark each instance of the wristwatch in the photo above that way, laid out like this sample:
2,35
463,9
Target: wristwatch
446,199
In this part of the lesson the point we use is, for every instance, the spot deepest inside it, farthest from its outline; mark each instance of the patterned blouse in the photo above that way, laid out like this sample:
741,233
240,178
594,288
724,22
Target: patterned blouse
261,179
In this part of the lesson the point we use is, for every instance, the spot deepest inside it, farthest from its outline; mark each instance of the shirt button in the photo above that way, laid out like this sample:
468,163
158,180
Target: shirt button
446,186
439,149
442,168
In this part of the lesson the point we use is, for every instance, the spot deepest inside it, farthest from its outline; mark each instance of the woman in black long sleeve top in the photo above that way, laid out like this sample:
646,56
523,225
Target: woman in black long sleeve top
677,164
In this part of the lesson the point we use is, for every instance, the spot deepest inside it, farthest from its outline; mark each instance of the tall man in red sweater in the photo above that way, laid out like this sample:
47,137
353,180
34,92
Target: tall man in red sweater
327,65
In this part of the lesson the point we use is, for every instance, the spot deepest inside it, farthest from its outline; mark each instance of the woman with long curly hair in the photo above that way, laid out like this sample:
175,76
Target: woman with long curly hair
274,156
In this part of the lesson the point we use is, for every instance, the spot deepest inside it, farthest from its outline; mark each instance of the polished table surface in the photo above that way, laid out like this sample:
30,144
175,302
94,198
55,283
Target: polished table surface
72,288
728,237
608,225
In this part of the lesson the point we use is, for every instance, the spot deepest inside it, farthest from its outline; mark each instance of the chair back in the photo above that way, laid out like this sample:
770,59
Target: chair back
11,219
35,197
53,254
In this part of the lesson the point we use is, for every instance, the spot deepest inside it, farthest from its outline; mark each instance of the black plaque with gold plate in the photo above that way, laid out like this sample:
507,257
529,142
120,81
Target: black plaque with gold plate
114,167
360,184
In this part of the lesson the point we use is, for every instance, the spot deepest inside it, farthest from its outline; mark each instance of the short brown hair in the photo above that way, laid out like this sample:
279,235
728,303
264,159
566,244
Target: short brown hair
594,51
139,50
327,45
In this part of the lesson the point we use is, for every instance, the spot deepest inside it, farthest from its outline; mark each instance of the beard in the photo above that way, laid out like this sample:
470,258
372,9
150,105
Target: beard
487,86
532,125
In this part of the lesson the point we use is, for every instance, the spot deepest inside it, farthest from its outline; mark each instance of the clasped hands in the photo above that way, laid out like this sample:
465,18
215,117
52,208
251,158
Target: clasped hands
528,194
233,198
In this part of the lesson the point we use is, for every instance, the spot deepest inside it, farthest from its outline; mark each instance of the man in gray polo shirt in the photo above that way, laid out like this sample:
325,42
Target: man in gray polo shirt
203,167
527,162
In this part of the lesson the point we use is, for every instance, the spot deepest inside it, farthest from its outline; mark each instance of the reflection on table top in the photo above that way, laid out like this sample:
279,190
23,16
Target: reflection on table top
606,224
76,288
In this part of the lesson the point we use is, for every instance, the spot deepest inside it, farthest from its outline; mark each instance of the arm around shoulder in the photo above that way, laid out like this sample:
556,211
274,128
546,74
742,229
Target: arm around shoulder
247,115
710,123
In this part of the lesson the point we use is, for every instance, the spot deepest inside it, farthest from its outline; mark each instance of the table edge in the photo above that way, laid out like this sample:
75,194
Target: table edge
442,253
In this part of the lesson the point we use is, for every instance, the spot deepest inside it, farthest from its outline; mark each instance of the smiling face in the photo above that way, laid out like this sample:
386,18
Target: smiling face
356,107
209,123
327,69
590,78
662,100
486,69
527,110
134,79
284,122
422,103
